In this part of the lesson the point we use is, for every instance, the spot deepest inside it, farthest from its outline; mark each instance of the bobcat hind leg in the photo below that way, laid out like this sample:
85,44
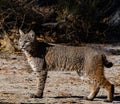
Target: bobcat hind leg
104,83
93,93
110,92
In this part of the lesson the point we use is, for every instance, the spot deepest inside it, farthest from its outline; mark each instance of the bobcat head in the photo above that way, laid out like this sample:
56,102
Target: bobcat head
26,41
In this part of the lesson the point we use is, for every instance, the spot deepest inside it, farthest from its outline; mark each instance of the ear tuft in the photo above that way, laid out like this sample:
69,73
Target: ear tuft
21,32
32,34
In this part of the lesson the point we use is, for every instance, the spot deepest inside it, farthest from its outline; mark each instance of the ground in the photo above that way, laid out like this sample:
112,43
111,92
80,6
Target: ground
17,83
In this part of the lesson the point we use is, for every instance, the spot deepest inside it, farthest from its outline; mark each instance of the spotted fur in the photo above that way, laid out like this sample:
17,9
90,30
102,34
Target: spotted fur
86,61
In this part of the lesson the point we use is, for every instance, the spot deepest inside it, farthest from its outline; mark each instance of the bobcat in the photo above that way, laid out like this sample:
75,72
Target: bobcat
86,61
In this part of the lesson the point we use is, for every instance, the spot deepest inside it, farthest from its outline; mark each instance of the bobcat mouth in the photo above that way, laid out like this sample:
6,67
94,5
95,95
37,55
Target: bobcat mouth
25,46
22,48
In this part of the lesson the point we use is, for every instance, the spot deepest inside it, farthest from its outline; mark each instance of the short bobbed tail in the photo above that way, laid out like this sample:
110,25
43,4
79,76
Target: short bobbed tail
106,63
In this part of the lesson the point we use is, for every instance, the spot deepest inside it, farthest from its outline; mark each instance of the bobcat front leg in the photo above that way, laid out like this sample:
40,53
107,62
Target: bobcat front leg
41,76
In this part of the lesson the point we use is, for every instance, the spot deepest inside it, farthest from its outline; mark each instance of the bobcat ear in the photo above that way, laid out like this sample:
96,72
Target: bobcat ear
21,32
32,34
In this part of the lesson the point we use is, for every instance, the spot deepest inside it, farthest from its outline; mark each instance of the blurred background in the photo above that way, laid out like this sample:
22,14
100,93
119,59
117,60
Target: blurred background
71,22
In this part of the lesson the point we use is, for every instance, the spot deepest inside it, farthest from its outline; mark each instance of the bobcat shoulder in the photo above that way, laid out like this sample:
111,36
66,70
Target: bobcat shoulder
86,61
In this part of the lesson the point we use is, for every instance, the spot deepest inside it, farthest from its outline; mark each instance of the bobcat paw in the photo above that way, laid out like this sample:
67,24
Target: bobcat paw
35,96
108,100
86,98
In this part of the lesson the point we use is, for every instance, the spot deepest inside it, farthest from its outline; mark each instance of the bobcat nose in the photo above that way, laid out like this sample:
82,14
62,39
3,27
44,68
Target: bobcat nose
22,47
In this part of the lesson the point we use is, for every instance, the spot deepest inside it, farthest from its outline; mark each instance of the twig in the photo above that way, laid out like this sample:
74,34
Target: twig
37,11
54,24
22,22
29,3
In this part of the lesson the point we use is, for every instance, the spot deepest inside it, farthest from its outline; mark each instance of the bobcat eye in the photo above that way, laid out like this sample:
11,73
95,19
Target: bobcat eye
26,41
20,40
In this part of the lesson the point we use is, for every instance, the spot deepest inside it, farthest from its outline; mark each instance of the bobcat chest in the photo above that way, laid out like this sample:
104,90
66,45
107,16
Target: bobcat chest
36,63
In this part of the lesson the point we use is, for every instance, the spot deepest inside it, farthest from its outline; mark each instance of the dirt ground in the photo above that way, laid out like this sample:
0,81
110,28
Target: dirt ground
17,82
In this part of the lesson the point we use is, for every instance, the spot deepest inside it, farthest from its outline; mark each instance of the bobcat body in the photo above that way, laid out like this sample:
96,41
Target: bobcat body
86,61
